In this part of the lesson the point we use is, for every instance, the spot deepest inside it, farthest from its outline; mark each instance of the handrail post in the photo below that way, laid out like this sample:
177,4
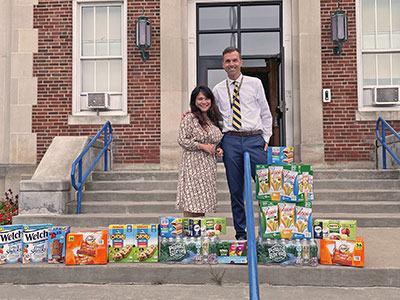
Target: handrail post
251,240
78,207
383,146
105,154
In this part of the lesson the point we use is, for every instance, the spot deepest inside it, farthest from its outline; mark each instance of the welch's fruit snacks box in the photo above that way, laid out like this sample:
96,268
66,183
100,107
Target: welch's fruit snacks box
10,244
35,243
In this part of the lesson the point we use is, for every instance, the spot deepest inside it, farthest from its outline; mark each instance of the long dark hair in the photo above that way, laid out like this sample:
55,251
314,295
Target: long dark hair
213,112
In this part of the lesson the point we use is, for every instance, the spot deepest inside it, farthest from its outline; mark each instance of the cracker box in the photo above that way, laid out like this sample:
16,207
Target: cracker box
213,226
171,226
35,243
120,243
145,238
57,239
335,229
232,252
280,155
10,244
86,247
343,252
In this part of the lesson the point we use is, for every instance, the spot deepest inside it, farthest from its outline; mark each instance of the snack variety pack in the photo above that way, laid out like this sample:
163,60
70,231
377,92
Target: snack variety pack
335,229
171,226
343,252
232,252
280,155
35,243
145,238
10,244
120,243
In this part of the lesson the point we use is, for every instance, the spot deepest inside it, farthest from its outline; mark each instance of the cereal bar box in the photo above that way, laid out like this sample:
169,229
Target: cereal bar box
343,252
10,244
171,226
145,238
86,247
57,239
280,155
35,243
232,252
120,243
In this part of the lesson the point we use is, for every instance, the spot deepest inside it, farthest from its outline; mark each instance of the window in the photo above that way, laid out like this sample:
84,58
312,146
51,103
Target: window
380,54
99,57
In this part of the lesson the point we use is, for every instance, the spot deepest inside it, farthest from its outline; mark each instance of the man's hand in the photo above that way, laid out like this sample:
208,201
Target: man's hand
266,147
185,113
210,149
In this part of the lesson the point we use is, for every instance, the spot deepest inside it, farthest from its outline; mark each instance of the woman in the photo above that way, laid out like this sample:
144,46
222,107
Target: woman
199,134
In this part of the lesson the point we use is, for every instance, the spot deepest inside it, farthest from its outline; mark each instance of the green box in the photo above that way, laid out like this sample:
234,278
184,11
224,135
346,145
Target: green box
213,226
335,229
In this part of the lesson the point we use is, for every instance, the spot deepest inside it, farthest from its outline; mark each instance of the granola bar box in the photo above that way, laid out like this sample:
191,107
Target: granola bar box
145,239
343,252
170,226
35,243
10,244
86,247
57,239
280,155
120,243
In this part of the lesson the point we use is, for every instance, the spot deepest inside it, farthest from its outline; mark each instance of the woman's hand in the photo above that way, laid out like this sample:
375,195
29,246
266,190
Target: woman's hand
210,149
219,152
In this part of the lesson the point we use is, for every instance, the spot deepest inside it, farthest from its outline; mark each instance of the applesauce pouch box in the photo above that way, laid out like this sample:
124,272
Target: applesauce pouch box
280,155
87,247
335,229
232,252
304,185
10,244
145,239
269,228
35,243
170,226
303,221
343,252
57,240
120,243
213,226
262,182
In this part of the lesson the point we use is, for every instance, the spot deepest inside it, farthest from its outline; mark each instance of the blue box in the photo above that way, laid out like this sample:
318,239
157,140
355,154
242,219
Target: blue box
171,226
57,242
280,155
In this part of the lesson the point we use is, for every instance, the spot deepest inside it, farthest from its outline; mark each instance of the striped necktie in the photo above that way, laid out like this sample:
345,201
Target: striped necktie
237,119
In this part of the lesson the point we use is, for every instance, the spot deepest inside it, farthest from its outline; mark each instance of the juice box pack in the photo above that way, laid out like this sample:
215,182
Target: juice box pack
343,252
57,240
35,243
171,226
335,229
10,244
280,155
232,252
291,183
120,243
285,220
145,239
86,247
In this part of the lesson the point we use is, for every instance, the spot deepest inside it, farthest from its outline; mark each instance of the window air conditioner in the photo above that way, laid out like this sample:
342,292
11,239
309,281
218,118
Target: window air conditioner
388,95
98,100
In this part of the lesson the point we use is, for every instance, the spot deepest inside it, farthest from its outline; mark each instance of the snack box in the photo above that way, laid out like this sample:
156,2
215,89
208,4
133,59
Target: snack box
57,240
343,252
145,239
280,155
213,226
86,247
171,226
192,227
232,252
285,220
335,229
10,244
35,243
120,243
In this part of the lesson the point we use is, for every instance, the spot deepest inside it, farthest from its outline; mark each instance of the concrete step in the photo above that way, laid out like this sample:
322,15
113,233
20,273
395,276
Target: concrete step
356,174
105,219
168,207
366,184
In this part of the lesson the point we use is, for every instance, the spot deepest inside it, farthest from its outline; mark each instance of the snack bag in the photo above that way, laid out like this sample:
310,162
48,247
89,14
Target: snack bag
289,178
303,224
286,218
275,183
262,182
269,219
345,253
304,185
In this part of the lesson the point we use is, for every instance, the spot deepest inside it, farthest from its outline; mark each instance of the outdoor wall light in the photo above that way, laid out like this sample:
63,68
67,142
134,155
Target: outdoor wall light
143,35
338,30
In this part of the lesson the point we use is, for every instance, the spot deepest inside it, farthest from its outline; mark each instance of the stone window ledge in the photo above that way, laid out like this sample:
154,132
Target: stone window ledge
98,120
374,115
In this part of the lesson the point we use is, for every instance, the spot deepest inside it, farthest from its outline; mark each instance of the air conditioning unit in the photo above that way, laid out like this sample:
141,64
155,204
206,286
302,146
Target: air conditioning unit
386,95
98,100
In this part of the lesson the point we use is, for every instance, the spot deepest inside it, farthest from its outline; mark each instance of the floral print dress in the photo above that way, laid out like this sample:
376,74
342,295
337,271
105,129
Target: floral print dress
197,182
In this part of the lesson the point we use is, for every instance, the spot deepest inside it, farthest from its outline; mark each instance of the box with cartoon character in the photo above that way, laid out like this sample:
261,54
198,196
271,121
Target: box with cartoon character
145,239
120,243
10,244
35,243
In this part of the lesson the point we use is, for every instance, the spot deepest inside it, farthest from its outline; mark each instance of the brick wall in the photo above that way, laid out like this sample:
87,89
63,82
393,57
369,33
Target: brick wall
138,142
345,138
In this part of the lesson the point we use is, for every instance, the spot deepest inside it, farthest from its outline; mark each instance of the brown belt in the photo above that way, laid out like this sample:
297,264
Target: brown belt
244,133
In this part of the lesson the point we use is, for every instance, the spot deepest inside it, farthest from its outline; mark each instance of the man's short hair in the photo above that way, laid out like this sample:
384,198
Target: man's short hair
231,49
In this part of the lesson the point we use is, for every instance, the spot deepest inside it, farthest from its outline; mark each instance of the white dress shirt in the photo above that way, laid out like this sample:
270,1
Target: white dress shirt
254,107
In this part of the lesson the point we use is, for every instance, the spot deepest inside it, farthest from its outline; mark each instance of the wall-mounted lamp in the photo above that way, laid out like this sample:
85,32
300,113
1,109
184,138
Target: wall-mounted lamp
338,30
143,35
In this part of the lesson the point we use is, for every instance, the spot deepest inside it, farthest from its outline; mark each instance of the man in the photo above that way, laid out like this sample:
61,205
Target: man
247,126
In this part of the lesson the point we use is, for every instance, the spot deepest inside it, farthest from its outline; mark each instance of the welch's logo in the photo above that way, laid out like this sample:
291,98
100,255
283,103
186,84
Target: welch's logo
10,236
35,236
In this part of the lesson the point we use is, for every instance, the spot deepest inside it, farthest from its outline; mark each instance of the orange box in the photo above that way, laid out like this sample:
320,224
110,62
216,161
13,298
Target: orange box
342,252
86,248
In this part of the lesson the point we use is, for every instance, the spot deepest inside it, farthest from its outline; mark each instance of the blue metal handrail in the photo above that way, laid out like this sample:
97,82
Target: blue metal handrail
382,139
107,129
251,239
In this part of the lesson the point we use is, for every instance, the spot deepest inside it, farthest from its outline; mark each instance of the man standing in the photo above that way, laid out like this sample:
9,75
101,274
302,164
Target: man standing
247,126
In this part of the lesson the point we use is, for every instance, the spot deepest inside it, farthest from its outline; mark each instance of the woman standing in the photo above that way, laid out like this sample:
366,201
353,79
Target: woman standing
199,135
